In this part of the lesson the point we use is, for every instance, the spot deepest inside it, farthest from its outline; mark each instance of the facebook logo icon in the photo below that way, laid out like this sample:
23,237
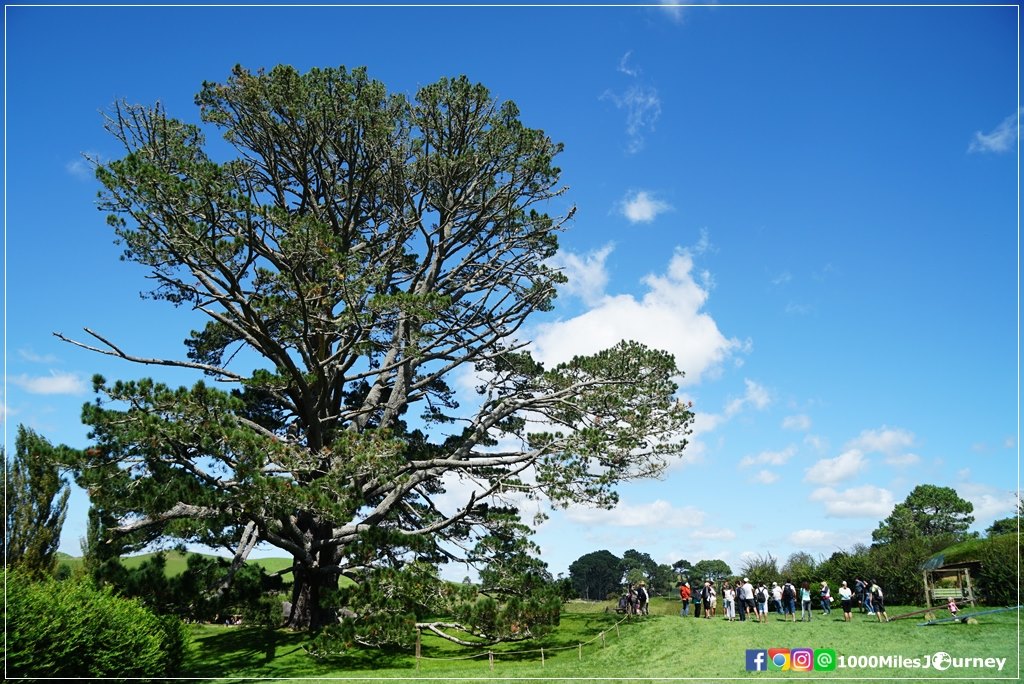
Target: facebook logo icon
757,660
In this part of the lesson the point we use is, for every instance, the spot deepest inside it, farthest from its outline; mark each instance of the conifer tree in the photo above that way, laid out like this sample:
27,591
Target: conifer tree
37,501
366,250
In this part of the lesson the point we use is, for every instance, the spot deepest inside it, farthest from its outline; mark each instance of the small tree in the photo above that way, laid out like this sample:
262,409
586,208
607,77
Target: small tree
37,499
928,511
596,575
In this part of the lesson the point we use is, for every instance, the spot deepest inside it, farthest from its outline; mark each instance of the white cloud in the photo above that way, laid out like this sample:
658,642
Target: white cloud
658,514
587,274
818,539
989,502
643,207
885,440
668,317
832,470
816,442
31,356
903,460
782,278
756,396
80,169
55,383
856,502
801,423
1002,138
769,457
766,477
707,533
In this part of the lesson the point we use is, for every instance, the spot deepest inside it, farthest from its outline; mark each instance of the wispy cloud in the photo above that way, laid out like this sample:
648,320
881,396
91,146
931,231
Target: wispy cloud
800,423
1002,138
54,383
624,65
775,458
642,207
33,357
641,103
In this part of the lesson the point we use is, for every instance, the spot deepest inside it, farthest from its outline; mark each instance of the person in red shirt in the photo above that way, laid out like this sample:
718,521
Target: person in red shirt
684,595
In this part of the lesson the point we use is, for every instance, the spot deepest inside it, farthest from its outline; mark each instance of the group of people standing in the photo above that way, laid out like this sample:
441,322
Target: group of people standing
744,600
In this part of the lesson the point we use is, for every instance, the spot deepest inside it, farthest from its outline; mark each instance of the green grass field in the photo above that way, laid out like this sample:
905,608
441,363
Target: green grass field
662,645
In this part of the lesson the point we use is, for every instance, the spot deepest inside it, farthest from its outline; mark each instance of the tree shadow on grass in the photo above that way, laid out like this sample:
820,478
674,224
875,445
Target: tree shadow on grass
257,652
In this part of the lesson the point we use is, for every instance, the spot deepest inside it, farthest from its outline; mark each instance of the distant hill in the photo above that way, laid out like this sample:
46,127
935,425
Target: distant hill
177,562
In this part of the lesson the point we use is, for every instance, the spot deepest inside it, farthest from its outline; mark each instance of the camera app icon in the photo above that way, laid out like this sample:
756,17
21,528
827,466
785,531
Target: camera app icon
802,659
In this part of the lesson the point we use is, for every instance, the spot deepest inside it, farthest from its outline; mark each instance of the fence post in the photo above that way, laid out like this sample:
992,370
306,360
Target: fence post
490,657
581,650
602,639
419,632
542,656
617,635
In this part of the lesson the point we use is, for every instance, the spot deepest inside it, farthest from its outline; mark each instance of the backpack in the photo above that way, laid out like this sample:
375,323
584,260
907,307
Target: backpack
761,596
787,592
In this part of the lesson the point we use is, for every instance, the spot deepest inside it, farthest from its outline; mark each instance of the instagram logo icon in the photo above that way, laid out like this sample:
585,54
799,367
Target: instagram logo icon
802,659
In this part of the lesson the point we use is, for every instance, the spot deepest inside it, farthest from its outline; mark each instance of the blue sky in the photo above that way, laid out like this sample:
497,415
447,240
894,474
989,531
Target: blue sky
815,209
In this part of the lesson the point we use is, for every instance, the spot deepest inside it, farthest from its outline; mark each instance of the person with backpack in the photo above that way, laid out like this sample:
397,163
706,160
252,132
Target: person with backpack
878,601
684,596
788,601
706,594
761,605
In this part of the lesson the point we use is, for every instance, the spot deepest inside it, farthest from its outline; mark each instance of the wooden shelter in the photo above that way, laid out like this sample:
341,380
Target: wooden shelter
947,575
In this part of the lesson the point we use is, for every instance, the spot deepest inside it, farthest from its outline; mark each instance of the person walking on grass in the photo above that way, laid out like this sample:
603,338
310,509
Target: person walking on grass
846,598
729,598
878,601
761,602
777,597
805,602
788,601
826,599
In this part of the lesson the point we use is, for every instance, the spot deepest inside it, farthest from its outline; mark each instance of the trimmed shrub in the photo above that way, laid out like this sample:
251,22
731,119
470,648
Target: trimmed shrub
998,582
71,629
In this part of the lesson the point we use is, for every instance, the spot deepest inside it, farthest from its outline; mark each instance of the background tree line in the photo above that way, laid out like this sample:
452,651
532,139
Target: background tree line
930,520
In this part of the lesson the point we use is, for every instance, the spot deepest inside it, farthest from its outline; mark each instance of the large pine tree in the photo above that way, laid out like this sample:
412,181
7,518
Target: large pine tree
367,250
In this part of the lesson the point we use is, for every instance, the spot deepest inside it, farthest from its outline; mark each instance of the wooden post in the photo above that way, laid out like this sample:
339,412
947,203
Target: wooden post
581,650
419,633
542,656
927,591
602,639
970,589
617,635
490,657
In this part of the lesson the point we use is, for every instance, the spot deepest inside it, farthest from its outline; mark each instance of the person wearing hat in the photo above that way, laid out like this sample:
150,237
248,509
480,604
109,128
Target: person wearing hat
777,597
826,599
748,597
684,596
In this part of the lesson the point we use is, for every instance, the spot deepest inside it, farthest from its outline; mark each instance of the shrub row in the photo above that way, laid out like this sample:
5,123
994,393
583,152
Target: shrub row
71,629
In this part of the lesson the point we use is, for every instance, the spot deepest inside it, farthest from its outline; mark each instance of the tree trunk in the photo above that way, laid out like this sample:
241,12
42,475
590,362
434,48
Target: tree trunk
310,585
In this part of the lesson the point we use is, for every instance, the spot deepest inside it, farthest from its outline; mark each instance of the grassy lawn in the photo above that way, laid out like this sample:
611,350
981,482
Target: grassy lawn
662,645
